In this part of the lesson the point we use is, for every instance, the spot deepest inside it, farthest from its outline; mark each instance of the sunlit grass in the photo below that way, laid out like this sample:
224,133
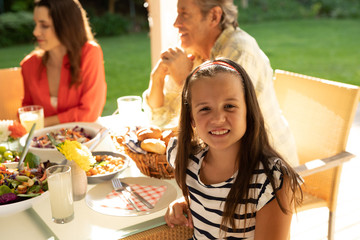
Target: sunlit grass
322,48
127,66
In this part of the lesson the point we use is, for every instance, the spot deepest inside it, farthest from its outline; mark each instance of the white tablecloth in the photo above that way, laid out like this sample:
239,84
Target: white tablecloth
35,223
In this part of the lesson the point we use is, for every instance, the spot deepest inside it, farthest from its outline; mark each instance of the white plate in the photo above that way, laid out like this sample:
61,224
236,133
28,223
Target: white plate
51,153
96,196
12,208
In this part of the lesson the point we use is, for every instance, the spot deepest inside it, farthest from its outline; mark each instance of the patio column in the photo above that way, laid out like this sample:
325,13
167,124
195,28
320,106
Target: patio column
162,15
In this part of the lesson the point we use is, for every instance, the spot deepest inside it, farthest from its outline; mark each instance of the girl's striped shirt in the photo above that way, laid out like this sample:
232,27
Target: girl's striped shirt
207,201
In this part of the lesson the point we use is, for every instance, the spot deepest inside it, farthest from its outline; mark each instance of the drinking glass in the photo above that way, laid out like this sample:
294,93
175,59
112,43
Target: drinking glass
129,110
61,195
31,114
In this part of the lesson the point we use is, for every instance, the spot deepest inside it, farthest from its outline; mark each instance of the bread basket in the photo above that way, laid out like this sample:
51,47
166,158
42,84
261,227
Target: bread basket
150,164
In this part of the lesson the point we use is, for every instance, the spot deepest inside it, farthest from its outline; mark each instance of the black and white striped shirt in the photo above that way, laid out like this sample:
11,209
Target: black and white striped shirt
207,201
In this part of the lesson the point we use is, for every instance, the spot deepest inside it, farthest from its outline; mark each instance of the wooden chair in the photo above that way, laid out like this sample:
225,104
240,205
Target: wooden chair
320,113
12,92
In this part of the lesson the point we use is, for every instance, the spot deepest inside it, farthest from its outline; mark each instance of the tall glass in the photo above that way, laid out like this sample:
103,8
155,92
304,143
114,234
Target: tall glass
32,114
61,195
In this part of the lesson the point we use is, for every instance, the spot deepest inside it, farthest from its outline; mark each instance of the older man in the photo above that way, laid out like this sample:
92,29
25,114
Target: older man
208,29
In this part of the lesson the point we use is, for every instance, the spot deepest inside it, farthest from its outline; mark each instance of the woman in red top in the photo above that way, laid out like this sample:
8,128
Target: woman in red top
65,74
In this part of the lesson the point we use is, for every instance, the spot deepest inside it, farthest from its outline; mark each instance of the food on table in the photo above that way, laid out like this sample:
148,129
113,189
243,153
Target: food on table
153,139
17,130
106,164
166,135
17,185
153,163
76,134
148,132
154,145
8,156
11,130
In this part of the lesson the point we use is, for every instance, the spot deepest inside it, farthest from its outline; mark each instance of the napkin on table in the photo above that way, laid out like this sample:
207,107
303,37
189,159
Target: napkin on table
133,143
151,193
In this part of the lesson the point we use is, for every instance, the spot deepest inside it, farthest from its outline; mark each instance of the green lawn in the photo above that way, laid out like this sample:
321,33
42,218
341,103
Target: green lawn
322,48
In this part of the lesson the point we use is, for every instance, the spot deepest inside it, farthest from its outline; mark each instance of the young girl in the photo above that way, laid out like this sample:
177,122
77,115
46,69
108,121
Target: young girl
235,185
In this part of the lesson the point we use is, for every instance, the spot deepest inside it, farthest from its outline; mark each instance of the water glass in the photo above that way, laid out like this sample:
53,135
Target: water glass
32,114
129,109
61,194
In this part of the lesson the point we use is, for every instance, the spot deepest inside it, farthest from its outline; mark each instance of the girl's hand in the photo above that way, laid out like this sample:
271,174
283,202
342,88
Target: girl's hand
175,214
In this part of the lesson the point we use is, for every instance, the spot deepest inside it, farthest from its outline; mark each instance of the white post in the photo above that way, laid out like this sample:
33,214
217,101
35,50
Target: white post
162,15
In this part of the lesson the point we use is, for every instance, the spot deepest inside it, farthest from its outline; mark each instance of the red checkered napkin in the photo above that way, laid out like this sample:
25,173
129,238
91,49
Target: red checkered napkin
117,200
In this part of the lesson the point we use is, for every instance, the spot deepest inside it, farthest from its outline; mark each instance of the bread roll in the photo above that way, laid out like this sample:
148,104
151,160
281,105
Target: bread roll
148,132
154,145
166,135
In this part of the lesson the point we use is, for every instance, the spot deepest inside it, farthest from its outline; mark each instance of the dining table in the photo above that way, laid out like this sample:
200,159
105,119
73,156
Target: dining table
36,222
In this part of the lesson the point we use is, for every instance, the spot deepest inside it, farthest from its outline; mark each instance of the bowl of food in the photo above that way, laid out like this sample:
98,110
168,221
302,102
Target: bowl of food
20,189
108,165
42,147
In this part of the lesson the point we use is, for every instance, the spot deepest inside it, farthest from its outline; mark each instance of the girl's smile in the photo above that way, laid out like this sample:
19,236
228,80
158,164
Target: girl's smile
219,132
219,110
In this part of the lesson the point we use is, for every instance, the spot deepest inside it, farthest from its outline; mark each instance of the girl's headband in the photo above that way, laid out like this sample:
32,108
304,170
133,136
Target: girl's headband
215,63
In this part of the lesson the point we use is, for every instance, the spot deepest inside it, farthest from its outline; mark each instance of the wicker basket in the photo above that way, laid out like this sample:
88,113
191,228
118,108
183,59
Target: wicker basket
163,232
150,164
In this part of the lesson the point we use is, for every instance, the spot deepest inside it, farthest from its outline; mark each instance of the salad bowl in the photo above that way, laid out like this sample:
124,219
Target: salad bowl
20,189
90,134
12,208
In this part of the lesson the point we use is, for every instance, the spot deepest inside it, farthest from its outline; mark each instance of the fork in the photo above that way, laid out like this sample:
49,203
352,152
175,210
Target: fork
118,187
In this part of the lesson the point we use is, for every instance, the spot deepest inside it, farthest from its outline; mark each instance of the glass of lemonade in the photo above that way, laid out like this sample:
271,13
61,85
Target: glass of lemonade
31,114
61,195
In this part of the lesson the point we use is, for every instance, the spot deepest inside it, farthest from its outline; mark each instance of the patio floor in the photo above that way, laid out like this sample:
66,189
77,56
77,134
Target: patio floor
312,224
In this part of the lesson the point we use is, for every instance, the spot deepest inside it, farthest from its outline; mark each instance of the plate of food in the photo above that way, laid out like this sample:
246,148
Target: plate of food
19,190
41,146
108,165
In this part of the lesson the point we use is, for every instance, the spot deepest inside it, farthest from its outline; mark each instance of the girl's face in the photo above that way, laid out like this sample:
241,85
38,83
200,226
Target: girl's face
219,110
44,30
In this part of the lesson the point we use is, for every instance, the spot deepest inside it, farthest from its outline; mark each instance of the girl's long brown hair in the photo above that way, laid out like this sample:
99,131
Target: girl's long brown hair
255,146
72,29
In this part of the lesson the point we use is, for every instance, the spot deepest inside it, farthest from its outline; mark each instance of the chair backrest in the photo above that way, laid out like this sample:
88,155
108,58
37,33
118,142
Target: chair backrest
12,92
320,114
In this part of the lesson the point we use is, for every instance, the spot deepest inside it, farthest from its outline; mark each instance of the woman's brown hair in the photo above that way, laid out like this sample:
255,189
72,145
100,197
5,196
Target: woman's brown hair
255,145
72,29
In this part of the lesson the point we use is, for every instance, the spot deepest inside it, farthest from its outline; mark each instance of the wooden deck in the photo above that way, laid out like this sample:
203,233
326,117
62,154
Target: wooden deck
312,224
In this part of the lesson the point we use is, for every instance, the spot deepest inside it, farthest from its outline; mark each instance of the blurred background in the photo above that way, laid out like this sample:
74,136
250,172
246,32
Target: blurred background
313,37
